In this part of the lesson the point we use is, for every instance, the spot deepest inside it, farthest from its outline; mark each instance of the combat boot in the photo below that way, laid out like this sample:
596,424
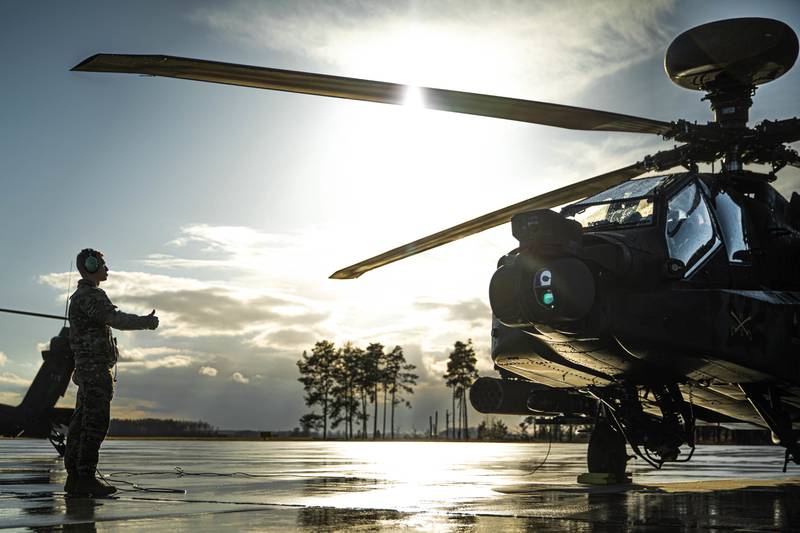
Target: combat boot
69,484
90,486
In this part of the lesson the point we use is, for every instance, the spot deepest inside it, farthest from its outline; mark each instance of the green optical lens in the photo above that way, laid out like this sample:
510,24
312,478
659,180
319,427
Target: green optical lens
548,298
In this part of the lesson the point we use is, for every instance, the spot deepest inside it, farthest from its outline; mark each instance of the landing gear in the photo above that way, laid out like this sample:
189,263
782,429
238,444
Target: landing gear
57,438
769,406
654,439
607,454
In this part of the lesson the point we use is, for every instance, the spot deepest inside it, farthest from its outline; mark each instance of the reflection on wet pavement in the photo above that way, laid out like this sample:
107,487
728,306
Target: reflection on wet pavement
373,486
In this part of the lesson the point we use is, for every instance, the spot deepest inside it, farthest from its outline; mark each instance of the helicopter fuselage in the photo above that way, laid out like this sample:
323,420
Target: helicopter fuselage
684,282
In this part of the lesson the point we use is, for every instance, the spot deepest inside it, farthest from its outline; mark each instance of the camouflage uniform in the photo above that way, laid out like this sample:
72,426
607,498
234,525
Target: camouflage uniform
91,317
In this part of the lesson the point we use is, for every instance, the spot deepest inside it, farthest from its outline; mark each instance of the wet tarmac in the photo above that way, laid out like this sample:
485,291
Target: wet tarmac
413,486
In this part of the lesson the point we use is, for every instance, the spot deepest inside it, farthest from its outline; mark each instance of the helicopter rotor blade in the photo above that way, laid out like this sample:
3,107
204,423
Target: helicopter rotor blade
29,313
561,196
576,118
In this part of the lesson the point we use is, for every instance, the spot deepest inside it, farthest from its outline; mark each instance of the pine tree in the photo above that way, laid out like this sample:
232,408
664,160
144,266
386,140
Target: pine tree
345,391
461,373
374,365
317,374
362,375
400,379
310,422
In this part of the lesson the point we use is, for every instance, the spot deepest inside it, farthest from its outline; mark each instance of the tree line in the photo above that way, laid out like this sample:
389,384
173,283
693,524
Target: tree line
349,384
157,427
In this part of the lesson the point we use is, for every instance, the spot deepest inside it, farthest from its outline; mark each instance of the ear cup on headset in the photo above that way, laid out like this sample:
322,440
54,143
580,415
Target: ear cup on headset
91,264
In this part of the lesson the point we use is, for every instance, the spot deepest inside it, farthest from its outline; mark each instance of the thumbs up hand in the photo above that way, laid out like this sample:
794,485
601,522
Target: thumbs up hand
153,322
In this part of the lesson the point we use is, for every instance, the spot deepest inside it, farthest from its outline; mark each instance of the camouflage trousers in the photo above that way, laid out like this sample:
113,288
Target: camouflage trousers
90,421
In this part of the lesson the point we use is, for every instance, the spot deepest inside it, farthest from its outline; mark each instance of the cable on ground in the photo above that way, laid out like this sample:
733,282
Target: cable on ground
138,488
546,455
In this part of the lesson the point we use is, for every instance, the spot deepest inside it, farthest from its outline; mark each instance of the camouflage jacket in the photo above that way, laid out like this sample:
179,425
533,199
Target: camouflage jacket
91,317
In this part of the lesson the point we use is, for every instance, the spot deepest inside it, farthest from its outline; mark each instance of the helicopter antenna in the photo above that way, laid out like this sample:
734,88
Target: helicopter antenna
66,303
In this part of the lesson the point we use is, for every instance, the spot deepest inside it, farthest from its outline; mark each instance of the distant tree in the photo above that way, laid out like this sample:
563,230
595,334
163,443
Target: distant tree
495,429
318,379
527,422
386,381
346,374
363,383
310,422
385,387
461,373
400,380
482,430
159,427
374,365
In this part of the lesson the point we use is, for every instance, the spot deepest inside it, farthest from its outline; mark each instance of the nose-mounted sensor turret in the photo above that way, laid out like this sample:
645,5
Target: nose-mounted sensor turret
542,282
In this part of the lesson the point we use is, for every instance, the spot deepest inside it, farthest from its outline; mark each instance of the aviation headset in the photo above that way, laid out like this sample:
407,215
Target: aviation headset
91,263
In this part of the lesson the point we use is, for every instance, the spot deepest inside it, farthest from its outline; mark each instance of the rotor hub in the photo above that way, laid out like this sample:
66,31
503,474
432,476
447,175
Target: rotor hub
727,59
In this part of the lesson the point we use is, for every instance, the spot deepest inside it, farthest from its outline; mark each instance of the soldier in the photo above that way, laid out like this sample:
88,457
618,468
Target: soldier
91,317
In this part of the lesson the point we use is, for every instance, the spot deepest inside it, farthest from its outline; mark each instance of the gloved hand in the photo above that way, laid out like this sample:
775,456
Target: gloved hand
152,320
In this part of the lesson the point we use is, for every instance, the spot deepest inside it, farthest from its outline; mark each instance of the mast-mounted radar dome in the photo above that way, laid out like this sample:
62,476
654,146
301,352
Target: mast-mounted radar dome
731,53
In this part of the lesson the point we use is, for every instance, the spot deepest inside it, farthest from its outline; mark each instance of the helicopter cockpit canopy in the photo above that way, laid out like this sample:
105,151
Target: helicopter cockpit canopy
735,232
627,204
689,229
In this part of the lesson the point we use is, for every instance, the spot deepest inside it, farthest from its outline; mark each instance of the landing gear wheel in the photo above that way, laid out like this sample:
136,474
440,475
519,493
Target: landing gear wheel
607,454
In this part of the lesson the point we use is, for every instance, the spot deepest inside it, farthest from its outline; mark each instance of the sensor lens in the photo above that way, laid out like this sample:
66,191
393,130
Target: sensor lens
544,278
543,288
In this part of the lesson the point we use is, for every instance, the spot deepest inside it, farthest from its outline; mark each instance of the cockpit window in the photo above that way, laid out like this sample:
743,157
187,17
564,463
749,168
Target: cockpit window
632,212
734,230
628,189
627,204
689,230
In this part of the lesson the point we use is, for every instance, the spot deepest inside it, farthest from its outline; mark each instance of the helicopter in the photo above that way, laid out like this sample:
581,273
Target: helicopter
36,416
646,304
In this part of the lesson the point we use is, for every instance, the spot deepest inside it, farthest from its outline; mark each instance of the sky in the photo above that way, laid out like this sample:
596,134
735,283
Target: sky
227,208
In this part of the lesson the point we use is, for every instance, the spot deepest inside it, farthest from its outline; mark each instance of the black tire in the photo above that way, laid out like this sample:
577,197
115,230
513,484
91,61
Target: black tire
607,454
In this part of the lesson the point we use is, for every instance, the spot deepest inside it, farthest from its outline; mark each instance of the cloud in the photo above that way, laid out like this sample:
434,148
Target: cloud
468,311
239,378
211,310
8,378
224,247
133,408
134,354
209,371
170,361
254,322
3,359
513,45
133,284
138,358
10,398
292,338
222,311
193,308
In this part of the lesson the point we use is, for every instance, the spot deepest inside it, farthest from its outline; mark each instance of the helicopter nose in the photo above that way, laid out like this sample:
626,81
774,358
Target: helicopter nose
528,290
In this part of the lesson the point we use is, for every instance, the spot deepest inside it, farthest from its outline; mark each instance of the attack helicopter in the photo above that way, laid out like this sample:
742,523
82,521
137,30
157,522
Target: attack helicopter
37,416
647,304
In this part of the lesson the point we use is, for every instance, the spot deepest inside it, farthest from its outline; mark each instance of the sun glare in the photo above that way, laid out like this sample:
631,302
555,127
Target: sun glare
393,174
414,98
435,469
